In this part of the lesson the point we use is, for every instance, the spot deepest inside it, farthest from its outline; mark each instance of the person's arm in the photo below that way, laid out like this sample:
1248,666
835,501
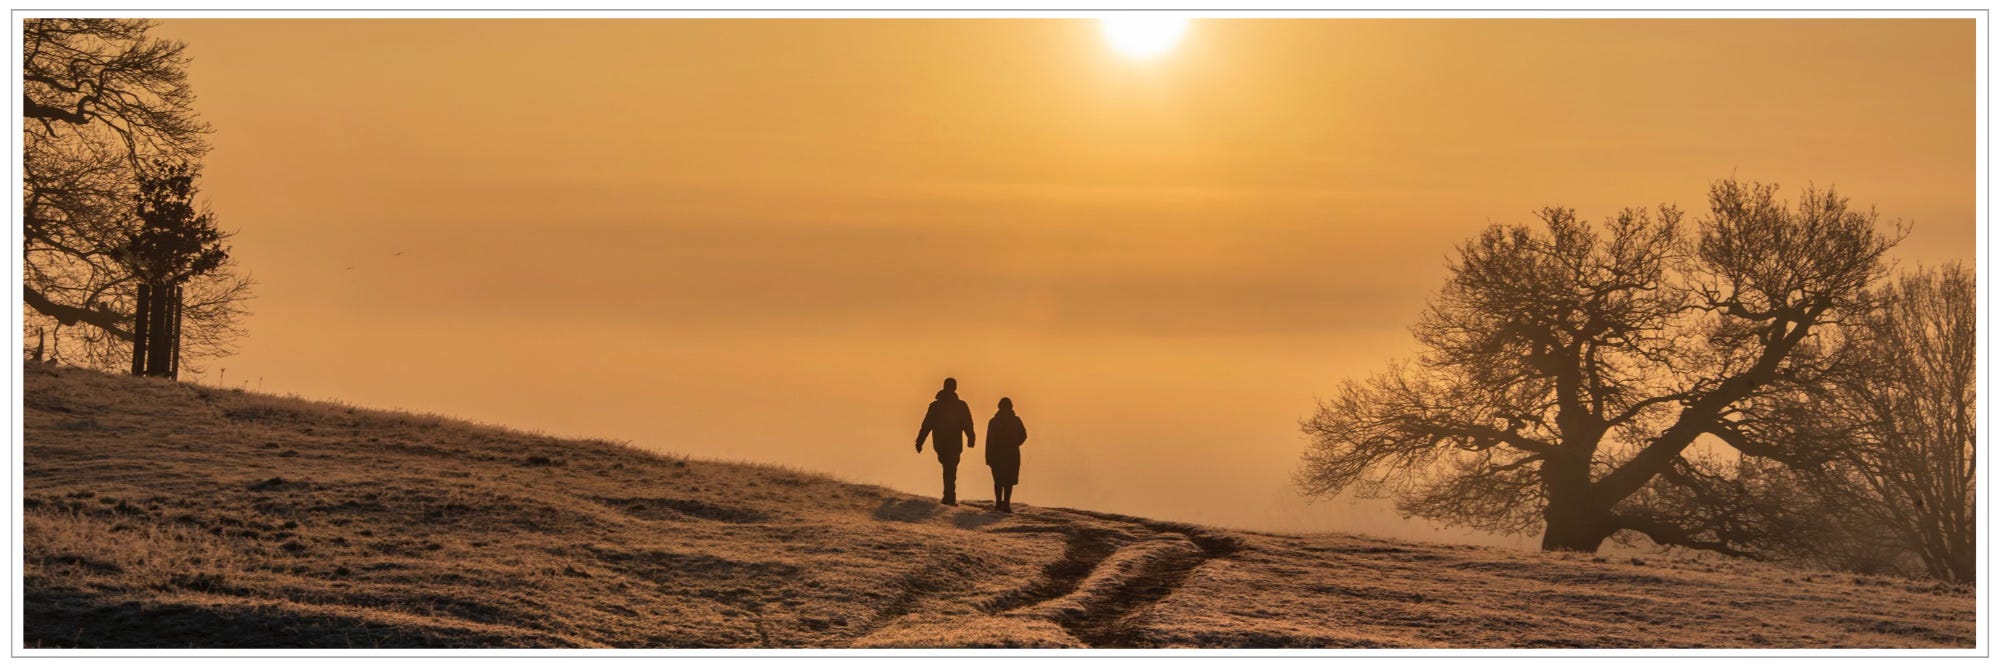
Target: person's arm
1023,432
925,430
971,438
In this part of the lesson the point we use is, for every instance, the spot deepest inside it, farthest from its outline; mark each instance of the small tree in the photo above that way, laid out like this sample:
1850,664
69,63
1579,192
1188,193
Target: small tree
176,239
1569,372
1898,431
175,242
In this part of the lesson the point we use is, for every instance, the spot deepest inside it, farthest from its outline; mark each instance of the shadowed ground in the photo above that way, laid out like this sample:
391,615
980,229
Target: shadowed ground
165,515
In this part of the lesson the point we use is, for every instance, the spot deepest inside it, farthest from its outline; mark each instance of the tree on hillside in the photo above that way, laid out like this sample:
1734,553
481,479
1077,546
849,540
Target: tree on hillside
177,241
1897,425
1595,379
103,106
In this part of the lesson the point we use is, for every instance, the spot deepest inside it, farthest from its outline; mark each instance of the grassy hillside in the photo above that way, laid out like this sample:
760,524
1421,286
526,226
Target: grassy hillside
167,515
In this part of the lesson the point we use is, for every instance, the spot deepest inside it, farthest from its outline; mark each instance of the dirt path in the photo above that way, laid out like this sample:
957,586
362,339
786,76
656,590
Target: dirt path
1082,553
1106,620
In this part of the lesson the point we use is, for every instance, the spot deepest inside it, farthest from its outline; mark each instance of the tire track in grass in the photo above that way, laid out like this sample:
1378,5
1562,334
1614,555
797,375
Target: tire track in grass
1082,552
1109,621
1102,617
913,587
1107,618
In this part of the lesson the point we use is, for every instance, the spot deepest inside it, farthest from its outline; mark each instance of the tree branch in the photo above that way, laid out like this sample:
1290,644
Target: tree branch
1666,534
112,323
1511,438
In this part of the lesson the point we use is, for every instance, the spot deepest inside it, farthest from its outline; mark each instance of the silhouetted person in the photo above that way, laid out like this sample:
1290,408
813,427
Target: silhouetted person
944,421
1004,436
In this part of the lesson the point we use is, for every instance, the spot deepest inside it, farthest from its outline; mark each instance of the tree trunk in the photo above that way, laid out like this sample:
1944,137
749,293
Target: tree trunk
1571,522
141,317
174,357
160,347
1574,529
1963,565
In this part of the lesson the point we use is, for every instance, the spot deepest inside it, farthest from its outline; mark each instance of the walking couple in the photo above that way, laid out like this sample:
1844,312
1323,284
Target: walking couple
948,418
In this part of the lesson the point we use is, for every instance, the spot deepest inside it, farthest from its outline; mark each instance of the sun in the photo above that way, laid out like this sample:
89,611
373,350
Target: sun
1143,36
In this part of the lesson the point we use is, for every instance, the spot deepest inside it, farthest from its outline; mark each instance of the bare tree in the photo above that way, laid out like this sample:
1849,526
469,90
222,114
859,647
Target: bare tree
1590,380
102,104
1897,425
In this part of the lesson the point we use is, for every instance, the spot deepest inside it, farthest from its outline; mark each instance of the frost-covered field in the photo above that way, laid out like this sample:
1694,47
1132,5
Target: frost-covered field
165,515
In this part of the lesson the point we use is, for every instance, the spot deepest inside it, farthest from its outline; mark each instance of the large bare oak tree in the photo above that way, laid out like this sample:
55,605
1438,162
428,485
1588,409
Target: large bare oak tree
1589,379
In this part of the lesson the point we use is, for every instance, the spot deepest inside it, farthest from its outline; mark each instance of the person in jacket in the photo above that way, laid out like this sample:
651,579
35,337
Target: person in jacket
944,421
1004,436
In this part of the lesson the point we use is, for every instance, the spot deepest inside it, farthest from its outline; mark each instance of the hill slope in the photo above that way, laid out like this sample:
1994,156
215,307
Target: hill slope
167,515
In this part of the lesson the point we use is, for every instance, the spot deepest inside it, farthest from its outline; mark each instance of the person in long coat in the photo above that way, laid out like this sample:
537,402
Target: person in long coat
1004,436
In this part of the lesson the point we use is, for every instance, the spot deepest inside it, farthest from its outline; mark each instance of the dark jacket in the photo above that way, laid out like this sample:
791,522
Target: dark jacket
944,421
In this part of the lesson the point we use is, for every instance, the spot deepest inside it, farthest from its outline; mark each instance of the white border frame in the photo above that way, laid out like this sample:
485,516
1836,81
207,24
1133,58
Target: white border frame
905,9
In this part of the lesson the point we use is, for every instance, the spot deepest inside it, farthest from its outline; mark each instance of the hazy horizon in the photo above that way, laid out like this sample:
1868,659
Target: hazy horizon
768,240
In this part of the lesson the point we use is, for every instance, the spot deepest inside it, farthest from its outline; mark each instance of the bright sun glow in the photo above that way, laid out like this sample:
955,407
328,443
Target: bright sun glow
1143,37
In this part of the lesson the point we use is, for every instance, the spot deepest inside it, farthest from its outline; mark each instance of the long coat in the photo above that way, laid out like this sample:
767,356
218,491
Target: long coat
1004,436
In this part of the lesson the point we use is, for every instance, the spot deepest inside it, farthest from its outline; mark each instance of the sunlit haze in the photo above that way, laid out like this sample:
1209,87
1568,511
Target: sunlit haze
768,240
1144,36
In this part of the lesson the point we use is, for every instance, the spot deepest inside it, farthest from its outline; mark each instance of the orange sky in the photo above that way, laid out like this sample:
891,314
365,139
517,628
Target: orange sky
767,240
